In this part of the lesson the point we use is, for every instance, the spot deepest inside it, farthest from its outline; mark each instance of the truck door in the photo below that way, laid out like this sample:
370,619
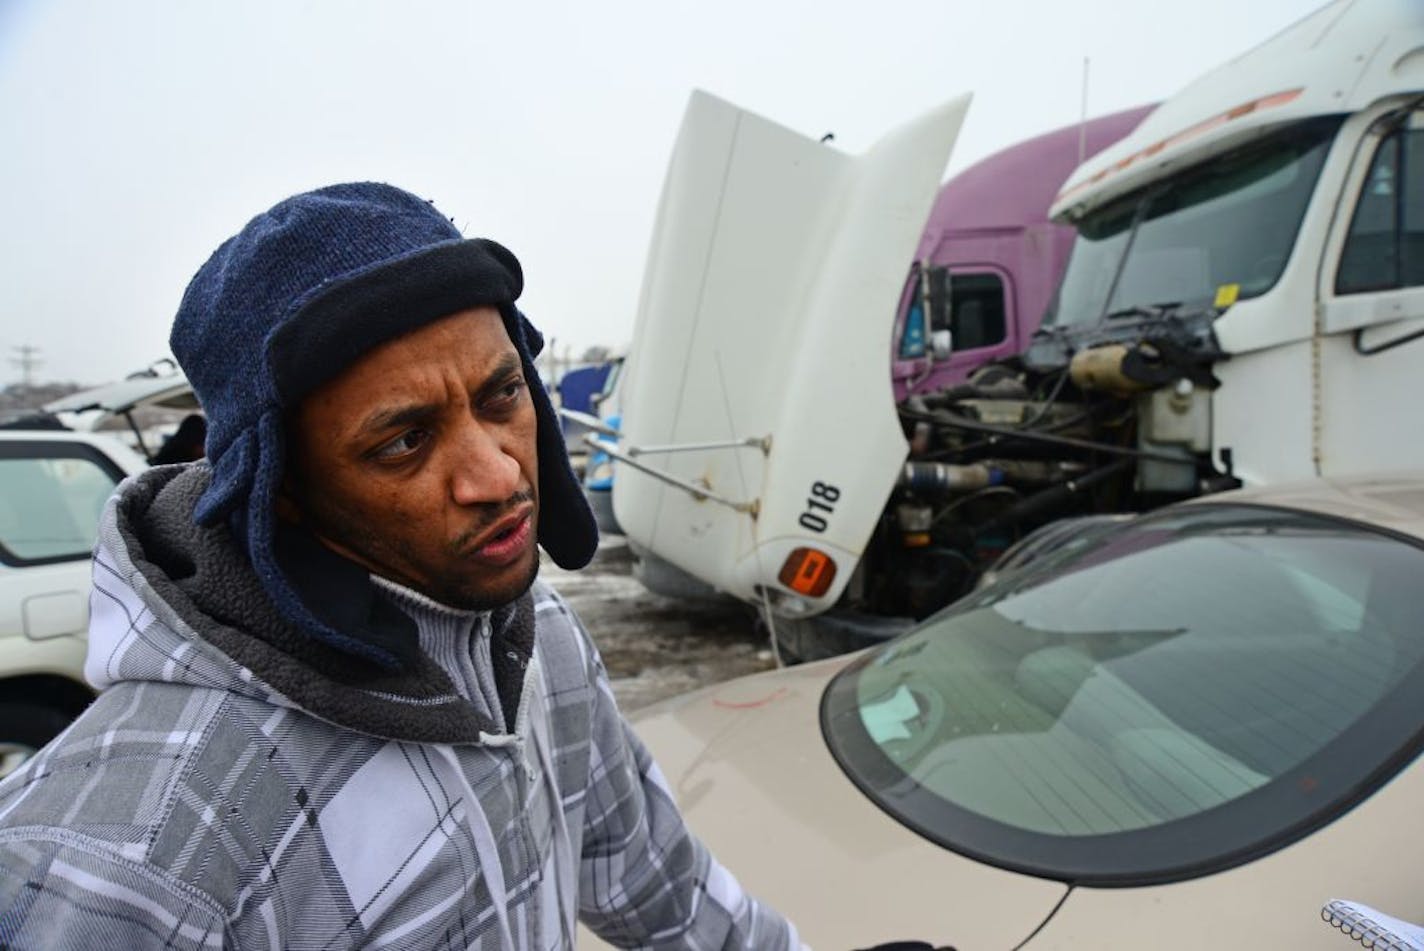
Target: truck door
1371,313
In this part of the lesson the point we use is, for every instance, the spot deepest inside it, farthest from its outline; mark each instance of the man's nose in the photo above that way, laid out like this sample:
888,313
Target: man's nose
483,470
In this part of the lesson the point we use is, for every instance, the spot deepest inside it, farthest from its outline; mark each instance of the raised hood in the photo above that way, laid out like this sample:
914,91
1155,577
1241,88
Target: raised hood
1342,58
766,312
157,387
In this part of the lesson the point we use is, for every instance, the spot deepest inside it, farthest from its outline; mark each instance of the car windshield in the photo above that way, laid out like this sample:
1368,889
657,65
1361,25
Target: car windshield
1214,234
1174,696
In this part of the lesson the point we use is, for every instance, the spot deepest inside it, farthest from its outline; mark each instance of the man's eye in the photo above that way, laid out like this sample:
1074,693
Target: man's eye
510,392
403,445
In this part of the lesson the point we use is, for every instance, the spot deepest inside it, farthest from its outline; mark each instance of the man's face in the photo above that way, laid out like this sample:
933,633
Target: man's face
419,463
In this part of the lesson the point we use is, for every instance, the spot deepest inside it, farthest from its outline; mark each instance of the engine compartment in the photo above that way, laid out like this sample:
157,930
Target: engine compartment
1089,421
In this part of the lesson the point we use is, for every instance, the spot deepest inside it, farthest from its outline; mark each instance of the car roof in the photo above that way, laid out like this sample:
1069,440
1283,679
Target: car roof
1393,501
126,459
53,435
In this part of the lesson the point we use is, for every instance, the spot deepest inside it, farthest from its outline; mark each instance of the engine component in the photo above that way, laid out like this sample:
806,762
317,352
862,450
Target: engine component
1035,471
920,437
1017,412
1123,425
1180,416
1106,369
914,522
941,477
1128,368
1175,421
1053,499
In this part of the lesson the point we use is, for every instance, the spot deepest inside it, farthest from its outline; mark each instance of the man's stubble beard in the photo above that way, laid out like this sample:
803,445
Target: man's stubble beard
469,600
332,524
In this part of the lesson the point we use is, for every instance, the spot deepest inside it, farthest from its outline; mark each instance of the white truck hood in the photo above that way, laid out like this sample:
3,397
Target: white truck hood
766,311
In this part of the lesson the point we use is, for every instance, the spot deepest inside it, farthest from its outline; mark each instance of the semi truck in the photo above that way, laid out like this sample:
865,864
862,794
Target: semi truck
1243,304
988,240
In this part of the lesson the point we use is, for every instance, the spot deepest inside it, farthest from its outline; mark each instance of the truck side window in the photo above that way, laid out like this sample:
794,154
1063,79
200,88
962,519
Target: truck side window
1385,245
976,311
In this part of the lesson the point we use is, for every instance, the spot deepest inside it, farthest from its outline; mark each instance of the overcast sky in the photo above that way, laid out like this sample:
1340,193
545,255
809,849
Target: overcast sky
135,136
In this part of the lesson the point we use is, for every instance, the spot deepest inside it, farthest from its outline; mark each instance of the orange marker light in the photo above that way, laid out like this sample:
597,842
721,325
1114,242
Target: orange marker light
1191,132
808,571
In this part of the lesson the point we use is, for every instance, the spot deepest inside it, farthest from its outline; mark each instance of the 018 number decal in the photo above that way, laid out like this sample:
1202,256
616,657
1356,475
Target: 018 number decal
820,503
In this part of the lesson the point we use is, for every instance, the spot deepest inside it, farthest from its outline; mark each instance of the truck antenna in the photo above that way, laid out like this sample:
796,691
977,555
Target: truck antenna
1083,117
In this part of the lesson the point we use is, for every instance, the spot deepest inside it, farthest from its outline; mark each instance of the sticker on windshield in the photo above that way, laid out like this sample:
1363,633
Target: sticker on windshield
886,720
1226,294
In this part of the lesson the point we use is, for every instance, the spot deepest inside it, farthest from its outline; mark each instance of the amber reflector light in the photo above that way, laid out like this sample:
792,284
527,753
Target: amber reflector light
808,571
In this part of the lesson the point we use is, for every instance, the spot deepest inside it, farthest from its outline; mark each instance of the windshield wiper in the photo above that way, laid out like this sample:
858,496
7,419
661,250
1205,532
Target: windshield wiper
1139,214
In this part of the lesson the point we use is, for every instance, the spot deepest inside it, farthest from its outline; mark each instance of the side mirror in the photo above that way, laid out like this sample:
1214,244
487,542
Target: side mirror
941,344
939,296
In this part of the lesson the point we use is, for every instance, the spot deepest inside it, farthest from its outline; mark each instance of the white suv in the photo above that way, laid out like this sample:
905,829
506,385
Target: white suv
54,482
53,486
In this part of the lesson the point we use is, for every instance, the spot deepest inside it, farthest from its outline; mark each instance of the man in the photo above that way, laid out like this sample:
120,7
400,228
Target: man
186,443
336,713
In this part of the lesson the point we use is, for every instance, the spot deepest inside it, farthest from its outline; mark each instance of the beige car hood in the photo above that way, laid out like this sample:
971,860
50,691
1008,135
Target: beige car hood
752,773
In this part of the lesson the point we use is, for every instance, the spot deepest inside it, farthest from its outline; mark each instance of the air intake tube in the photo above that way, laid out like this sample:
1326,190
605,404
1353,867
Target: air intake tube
942,477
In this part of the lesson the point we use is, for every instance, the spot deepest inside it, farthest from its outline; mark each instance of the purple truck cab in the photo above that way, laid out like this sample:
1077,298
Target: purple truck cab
989,232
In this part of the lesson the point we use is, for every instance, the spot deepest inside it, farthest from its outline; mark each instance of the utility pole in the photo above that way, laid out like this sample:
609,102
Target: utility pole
28,360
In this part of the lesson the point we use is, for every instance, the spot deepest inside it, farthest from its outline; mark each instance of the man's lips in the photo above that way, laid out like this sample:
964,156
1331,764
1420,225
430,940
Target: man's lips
507,539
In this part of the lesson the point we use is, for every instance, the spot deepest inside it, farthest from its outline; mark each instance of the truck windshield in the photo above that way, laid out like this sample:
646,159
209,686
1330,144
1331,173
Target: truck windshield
1216,233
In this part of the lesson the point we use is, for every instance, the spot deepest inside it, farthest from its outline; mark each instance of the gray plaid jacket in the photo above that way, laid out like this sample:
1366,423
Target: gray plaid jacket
236,786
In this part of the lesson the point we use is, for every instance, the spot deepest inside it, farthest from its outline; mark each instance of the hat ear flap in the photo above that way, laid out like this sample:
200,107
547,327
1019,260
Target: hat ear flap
259,534
567,529
231,481
262,494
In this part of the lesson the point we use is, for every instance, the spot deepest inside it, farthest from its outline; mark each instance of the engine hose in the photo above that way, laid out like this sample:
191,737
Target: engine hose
1004,432
1049,499
939,477
972,497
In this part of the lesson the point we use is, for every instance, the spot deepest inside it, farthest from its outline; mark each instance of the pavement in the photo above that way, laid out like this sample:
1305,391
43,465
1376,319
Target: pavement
656,647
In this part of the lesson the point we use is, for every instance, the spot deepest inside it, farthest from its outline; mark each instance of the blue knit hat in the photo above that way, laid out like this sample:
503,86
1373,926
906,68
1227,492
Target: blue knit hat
292,300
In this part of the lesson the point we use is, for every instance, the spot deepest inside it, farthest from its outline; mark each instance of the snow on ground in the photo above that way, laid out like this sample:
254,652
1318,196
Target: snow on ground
656,647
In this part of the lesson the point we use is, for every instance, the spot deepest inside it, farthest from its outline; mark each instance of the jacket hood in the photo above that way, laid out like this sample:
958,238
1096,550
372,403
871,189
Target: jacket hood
177,602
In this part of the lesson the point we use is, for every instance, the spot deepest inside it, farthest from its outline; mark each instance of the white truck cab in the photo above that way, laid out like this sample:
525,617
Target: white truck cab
1285,192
